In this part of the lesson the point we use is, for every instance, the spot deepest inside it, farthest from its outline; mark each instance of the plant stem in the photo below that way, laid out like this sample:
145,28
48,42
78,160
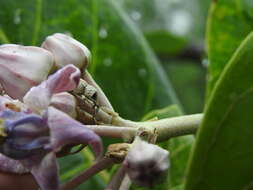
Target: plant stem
165,128
126,183
174,127
113,131
117,179
97,167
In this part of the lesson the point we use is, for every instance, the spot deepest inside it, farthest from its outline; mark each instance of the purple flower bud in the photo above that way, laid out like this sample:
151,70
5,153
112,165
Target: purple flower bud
67,50
22,67
146,164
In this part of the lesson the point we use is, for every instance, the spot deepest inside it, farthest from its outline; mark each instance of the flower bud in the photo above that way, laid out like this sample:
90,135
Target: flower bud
146,164
22,67
67,50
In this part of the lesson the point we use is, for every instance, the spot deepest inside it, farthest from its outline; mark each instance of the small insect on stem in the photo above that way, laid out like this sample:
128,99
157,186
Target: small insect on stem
87,93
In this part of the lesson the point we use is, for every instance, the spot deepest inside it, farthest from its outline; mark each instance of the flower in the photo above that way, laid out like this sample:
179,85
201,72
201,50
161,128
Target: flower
67,50
22,67
31,139
65,79
146,164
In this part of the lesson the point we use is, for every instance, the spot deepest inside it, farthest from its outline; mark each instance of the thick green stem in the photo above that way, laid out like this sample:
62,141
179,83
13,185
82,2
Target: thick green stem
165,128
174,127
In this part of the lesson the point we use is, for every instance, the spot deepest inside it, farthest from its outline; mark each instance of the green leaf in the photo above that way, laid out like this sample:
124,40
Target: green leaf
3,37
179,149
169,111
248,6
228,25
169,25
189,81
222,156
159,41
179,187
123,63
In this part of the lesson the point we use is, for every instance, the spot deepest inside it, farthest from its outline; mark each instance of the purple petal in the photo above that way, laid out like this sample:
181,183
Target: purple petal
27,135
11,115
12,166
65,130
45,170
66,79
64,102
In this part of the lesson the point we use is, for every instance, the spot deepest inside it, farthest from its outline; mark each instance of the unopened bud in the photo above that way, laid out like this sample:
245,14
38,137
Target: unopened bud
67,50
146,164
22,67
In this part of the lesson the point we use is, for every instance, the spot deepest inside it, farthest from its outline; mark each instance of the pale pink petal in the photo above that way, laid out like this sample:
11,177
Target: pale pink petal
65,79
22,67
67,50
64,102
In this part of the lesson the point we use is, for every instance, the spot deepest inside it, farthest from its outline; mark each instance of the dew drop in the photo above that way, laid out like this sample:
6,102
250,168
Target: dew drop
102,33
142,72
107,62
135,15
17,16
180,22
204,63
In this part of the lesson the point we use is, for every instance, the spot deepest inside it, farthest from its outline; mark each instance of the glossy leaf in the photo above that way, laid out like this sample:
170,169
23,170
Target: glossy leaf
189,80
222,156
229,23
179,187
167,22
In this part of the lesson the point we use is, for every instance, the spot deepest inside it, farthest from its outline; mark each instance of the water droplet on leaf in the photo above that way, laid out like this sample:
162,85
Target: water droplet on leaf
135,15
17,16
180,22
102,33
142,72
107,62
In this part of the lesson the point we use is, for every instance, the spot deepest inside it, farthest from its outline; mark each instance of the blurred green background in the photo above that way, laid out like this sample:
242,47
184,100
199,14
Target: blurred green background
146,54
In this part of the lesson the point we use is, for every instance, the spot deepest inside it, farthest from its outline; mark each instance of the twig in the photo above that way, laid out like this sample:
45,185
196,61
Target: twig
126,183
117,179
97,167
